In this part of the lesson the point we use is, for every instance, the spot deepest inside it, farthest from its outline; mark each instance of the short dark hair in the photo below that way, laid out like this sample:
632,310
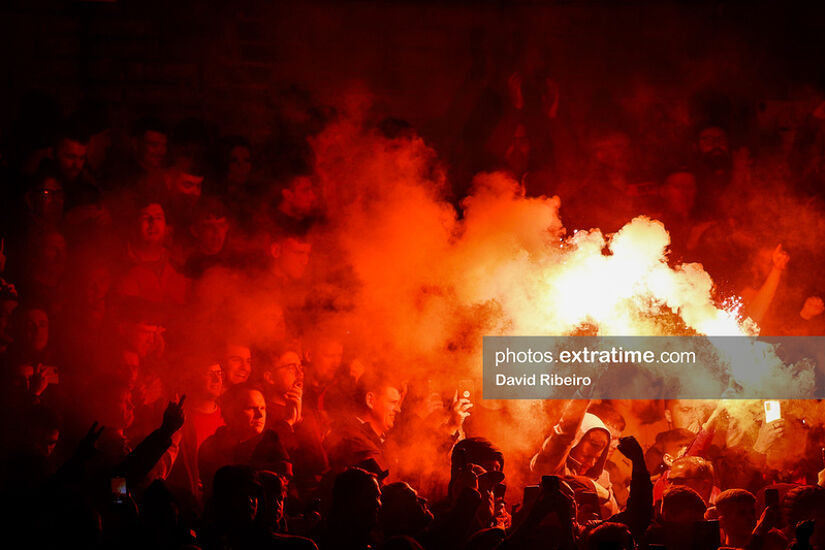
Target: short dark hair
350,485
701,466
210,206
609,535
298,231
74,129
231,399
191,162
264,357
47,169
147,199
804,502
682,497
230,142
732,497
475,450
148,124
229,479
372,381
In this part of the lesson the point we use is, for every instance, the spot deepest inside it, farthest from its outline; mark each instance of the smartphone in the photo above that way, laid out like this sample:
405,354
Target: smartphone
119,492
466,389
531,493
771,497
550,483
706,535
499,491
772,411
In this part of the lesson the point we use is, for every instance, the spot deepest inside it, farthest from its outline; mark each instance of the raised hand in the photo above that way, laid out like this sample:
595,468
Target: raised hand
86,447
780,258
459,411
294,404
629,447
769,433
173,417
812,307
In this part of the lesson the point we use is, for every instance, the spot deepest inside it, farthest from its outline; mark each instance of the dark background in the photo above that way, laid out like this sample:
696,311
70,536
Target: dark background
228,61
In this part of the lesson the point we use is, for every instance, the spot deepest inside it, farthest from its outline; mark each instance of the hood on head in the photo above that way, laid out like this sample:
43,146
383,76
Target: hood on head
589,423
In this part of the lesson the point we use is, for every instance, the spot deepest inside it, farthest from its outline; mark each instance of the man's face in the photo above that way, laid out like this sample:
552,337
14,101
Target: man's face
71,156
250,420
688,415
589,450
613,152
240,164
715,149
95,287
326,359
385,406
185,185
211,234
292,257
152,150
46,201
370,505
142,337
51,254
417,512
212,381
285,372
713,141
36,329
238,364
517,154
152,224
300,196
47,442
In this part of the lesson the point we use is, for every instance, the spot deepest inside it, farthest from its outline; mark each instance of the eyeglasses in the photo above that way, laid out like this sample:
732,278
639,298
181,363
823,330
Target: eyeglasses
294,367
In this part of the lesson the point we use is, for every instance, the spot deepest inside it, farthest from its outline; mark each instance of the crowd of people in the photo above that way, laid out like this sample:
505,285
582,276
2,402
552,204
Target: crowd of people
173,375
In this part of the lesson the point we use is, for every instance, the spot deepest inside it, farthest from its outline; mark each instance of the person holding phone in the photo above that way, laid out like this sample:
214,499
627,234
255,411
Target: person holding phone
578,446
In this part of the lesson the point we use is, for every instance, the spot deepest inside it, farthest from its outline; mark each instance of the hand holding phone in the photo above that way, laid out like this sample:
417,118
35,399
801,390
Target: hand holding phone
466,389
119,491
772,411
